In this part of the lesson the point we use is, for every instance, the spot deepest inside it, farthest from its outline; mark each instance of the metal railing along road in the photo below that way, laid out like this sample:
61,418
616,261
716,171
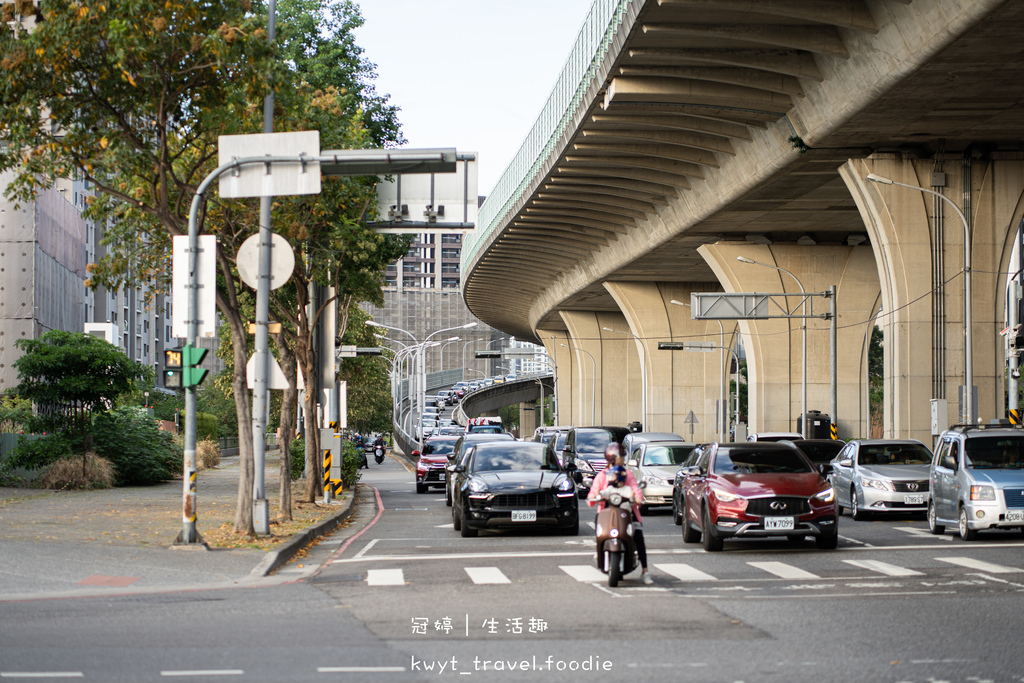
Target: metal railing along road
588,53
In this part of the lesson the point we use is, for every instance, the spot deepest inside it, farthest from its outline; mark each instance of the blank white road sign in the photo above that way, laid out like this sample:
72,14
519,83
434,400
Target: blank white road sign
277,180
207,279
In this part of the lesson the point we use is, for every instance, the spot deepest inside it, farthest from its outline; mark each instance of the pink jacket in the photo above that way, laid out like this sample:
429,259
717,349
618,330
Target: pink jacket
601,482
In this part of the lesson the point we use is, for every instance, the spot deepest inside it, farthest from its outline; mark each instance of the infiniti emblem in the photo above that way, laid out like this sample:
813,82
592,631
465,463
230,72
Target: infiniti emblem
777,505
912,486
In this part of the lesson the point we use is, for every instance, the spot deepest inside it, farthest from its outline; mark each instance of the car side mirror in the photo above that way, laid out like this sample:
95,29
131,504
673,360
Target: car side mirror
689,471
825,469
949,462
577,476
459,468
846,462
416,454
633,463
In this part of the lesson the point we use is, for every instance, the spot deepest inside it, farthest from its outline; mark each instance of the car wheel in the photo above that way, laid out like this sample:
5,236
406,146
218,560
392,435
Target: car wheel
677,518
855,510
421,488
712,543
447,496
614,568
840,509
690,535
466,531
933,526
827,541
456,519
966,533
643,510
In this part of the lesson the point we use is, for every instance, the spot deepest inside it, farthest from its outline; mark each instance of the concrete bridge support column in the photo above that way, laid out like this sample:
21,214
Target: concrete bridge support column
774,347
527,419
566,374
918,243
616,396
678,381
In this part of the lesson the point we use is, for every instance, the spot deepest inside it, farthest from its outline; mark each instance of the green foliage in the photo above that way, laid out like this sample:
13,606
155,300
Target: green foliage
36,453
15,413
876,377
297,460
70,375
369,384
350,461
206,426
142,453
165,405
216,399
743,395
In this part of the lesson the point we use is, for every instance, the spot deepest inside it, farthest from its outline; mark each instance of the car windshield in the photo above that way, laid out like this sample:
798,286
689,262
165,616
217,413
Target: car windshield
760,462
666,455
995,452
560,444
893,454
822,451
514,456
485,429
592,442
438,447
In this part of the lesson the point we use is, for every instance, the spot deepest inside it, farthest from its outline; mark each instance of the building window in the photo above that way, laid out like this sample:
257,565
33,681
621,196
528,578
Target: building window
451,253
449,267
451,239
411,282
411,267
449,283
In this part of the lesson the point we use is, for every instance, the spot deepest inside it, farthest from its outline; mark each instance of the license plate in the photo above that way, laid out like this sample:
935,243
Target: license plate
779,523
917,499
524,515
440,476
1015,515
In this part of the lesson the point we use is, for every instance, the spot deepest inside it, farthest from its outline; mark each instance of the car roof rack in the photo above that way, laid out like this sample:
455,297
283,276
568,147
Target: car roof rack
983,427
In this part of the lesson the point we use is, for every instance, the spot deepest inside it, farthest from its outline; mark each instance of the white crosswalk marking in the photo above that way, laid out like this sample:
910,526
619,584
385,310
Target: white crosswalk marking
684,572
783,570
481,575
883,568
971,563
385,577
586,573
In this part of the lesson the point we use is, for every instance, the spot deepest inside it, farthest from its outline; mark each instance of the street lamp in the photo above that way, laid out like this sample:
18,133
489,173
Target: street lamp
593,385
968,306
643,372
803,374
724,422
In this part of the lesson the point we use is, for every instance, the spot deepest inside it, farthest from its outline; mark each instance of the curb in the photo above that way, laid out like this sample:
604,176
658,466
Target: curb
277,558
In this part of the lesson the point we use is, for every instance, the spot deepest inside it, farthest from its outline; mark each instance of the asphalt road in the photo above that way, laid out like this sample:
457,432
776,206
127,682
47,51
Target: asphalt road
398,595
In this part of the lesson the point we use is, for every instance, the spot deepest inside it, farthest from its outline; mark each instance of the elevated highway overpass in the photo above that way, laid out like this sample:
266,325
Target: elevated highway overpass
684,133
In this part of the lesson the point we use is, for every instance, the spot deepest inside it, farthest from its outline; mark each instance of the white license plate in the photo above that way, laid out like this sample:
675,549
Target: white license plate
524,515
1015,515
440,475
917,499
779,523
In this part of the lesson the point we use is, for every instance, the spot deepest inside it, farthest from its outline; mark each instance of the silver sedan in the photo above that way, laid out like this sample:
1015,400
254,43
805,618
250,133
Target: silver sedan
881,475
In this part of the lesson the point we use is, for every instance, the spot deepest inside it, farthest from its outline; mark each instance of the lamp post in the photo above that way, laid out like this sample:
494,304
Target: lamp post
593,384
723,424
803,374
643,373
968,306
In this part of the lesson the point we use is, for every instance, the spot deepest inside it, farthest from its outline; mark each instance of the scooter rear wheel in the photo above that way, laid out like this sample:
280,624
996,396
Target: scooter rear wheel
614,568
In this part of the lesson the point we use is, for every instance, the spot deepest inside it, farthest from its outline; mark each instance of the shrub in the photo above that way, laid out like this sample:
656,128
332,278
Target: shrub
39,453
350,461
207,454
142,453
66,473
206,426
297,457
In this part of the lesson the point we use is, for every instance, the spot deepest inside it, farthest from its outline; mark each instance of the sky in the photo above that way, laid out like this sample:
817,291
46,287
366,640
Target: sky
469,74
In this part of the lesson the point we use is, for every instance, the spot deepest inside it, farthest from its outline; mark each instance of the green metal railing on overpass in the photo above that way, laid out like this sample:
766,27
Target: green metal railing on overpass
588,53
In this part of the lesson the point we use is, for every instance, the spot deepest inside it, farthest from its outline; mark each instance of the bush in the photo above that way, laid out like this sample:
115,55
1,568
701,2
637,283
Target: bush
40,453
206,426
67,473
297,457
350,461
141,453
207,454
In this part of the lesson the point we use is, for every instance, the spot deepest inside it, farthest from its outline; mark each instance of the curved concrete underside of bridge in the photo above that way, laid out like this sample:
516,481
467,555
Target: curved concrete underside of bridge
754,122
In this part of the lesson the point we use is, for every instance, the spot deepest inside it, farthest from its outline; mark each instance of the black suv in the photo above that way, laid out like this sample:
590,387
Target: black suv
586,445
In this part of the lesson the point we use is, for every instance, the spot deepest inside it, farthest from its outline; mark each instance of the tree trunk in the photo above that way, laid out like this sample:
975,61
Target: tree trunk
243,411
287,358
314,463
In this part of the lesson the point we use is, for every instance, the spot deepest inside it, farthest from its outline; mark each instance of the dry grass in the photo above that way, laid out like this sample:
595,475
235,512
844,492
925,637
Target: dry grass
67,473
303,515
207,454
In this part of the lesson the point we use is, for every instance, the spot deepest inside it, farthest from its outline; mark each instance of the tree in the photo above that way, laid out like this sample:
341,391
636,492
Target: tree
70,376
876,381
367,377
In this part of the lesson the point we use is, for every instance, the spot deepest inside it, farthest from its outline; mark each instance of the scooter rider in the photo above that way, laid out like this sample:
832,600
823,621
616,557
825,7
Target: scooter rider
613,456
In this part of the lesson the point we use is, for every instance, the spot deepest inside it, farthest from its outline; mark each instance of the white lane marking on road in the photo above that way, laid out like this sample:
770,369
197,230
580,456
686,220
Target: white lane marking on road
584,573
373,543
360,669
385,577
482,575
979,564
685,572
450,525
205,672
914,531
883,568
594,526
41,674
783,570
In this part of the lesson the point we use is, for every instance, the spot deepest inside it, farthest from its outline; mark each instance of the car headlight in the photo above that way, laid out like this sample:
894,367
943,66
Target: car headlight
875,484
565,484
584,466
826,496
477,486
983,493
652,480
724,497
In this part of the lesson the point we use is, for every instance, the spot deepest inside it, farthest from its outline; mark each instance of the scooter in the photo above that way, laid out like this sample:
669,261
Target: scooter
616,552
378,454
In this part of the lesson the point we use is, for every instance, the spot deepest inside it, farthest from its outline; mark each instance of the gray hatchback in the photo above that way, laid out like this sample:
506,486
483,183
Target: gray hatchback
977,480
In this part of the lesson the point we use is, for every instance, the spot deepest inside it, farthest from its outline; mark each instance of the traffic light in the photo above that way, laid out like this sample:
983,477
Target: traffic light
181,367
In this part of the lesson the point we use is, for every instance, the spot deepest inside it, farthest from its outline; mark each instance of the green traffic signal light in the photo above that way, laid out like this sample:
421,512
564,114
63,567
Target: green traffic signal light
181,367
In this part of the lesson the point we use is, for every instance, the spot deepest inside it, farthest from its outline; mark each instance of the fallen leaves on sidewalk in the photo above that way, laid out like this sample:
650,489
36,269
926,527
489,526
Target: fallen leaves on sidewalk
303,515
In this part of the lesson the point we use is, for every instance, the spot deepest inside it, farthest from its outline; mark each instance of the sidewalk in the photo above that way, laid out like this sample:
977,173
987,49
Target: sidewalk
78,540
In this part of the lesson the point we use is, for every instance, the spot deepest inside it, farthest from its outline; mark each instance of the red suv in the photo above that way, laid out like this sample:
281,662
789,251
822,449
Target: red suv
755,490
430,467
